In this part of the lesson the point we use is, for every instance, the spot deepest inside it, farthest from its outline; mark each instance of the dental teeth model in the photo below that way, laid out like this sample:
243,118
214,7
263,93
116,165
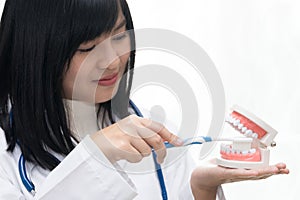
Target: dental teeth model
250,151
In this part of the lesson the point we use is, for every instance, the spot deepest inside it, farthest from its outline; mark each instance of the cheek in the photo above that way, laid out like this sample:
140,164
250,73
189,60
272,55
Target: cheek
71,75
124,59
123,50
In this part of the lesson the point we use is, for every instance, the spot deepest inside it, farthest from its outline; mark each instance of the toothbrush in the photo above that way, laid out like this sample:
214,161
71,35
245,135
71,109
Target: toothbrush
205,139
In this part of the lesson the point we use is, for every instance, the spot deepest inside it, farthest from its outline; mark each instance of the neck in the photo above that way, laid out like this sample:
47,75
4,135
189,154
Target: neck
82,117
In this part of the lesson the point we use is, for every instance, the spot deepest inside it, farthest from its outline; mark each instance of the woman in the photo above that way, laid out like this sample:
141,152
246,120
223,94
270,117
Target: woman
67,122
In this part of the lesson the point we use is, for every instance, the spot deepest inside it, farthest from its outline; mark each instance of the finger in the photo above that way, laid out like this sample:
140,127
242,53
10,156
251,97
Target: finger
159,147
155,141
280,165
162,131
141,146
132,155
275,172
268,170
284,171
235,175
255,174
282,168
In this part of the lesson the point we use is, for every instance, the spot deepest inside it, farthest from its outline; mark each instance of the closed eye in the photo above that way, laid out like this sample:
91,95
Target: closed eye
86,50
120,36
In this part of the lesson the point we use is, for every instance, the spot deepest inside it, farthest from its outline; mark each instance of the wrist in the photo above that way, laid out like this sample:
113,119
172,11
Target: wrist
104,145
202,191
208,193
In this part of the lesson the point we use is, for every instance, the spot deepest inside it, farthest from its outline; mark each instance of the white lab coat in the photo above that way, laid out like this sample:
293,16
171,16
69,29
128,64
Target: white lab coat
87,174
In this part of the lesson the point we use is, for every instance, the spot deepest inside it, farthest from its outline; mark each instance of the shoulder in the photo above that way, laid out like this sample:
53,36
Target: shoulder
3,144
8,171
7,159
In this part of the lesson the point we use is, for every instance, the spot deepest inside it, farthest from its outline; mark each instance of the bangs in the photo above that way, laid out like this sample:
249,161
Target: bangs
91,18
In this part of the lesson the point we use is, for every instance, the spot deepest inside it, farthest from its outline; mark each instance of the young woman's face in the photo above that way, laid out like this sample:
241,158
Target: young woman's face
97,67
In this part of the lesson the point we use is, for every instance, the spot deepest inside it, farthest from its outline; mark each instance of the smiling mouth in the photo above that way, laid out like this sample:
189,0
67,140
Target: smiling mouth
108,80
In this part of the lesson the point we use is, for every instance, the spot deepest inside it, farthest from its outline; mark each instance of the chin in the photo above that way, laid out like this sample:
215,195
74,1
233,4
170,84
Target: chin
103,95
101,98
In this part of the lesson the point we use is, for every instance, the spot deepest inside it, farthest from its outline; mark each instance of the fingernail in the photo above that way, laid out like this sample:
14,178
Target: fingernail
178,141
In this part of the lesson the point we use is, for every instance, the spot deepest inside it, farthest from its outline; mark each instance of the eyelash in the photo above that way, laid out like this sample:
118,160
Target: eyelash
117,38
87,50
120,36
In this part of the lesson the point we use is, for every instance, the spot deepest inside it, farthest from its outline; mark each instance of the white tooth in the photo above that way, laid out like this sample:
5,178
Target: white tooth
248,133
252,150
236,122
232,151
231,119
244,129
244,152
237,151
240,126
227,150
255,135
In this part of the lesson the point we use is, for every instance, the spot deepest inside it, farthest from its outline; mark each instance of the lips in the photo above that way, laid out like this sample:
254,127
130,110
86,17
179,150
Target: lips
108,80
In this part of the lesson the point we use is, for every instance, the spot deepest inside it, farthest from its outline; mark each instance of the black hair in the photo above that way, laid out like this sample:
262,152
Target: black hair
37,41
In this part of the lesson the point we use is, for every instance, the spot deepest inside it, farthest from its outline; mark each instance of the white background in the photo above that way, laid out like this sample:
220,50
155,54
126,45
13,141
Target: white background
255,46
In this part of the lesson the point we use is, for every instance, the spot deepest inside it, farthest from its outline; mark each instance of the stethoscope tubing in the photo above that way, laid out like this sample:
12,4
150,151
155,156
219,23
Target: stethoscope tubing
25,180
158,169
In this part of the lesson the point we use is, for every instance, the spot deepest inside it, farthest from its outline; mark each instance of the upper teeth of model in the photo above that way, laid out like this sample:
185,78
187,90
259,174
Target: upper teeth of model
243,129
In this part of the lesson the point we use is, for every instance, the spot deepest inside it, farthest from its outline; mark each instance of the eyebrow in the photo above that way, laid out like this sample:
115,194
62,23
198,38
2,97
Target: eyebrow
120,25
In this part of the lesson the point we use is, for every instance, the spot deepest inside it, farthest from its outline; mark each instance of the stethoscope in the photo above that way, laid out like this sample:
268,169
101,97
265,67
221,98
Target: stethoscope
159,172
30,187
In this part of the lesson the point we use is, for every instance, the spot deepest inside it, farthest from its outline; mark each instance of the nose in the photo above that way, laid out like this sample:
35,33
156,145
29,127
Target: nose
109,58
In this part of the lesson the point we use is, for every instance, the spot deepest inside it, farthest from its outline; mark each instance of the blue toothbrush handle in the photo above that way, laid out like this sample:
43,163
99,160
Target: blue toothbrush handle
190,141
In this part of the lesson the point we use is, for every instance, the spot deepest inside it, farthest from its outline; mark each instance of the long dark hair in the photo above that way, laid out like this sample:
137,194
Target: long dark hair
37,41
